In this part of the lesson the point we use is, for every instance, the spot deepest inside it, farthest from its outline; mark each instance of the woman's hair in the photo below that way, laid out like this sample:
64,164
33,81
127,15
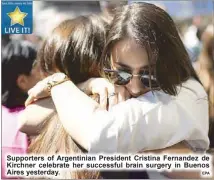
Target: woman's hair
153,29
53,139
17,58
75,48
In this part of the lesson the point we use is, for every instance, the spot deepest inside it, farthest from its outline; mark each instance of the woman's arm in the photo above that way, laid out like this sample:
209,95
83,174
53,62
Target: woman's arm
31,122
34,117
152,121
75,110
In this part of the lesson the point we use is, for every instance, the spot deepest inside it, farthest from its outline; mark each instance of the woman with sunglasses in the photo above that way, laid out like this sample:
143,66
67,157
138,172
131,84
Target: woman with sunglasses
145,56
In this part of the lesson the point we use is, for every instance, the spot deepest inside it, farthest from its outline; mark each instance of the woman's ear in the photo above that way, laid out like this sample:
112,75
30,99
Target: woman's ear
22,82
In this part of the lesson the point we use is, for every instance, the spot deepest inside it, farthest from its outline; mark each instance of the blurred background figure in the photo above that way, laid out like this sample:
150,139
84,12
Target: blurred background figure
204,67
19,74
5,39
192,37
49,14
108,8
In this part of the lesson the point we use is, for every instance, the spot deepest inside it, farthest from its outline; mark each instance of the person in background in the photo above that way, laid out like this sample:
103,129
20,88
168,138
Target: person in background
44,11
204,67
108,8
191,38
5,39
19,74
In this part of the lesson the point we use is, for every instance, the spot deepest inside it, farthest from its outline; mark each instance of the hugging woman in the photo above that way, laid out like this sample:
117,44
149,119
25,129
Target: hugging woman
138,58
74,47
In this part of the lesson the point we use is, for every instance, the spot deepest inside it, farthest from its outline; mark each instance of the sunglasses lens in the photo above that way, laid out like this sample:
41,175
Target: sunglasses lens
122,78
154,84
146,82
117,77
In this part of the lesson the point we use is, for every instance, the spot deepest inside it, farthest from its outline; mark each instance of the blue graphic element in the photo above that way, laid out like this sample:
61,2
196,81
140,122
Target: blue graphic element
17,17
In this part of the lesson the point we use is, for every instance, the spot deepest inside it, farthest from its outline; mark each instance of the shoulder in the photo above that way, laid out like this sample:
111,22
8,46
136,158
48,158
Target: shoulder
191,99
192,86
192,96
189,92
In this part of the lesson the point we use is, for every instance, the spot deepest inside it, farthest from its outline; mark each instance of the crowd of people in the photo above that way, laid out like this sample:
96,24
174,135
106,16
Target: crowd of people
129,70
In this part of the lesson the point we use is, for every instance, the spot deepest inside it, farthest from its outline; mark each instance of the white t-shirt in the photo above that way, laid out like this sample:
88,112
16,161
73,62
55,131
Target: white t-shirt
155,120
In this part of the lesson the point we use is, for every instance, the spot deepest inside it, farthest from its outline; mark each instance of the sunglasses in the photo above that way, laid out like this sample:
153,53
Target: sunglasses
123,78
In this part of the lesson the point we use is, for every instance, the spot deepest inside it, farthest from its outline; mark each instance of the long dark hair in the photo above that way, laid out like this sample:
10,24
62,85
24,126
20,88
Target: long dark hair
153,29
18,58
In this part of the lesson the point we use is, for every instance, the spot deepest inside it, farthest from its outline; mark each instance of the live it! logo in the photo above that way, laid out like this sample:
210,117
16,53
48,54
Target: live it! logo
17,17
